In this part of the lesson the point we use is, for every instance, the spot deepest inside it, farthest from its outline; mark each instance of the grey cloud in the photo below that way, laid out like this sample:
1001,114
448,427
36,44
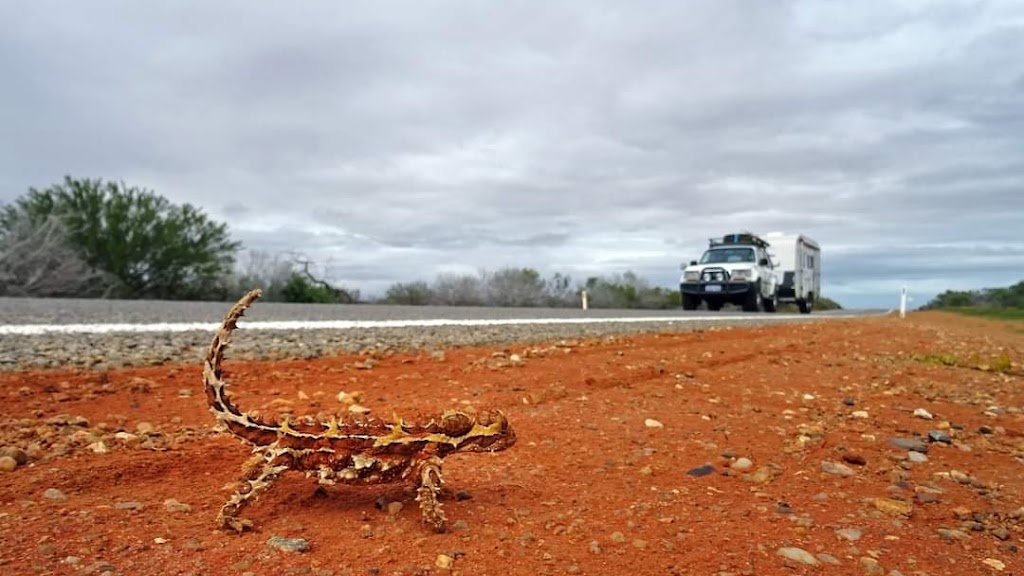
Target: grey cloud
404,139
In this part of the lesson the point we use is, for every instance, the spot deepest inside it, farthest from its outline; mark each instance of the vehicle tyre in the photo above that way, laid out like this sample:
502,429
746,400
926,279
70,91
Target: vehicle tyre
690,302
753,302
772,304
714,305
804,305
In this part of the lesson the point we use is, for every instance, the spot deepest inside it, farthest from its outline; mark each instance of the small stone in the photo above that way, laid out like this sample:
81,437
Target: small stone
922,413
851,534
798,555
927,498
917,457
617,537
652,423
99,447
939,436
826,558
837,469
394,508
951,534
994,564
960,476
144,427
860,414
102,568
19,455
365,531
289,544
893,507
1001,533
7,464
172,505
849,401
595,547
700,471
444,561
639,543
985,429
962,513
185,393
762,475
358,409
912,444
871,566
159,540
54,494
742,464
129,505
808,396
854,458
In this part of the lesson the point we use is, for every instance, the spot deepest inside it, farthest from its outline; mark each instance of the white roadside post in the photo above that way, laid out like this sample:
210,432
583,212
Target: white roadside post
583,298
903,302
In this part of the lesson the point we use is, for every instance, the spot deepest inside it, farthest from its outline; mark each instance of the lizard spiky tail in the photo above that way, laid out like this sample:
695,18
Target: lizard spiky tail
216,396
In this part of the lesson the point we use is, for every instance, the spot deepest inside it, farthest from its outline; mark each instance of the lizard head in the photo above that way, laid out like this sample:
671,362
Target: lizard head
485,432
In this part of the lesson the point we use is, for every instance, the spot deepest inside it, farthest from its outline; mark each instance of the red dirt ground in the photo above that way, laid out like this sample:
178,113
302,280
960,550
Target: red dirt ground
590,488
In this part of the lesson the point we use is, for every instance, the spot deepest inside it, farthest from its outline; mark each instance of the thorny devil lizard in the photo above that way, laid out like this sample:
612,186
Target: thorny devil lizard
353,451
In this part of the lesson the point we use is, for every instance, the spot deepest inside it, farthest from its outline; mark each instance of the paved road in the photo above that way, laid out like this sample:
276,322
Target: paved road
90,333
39,316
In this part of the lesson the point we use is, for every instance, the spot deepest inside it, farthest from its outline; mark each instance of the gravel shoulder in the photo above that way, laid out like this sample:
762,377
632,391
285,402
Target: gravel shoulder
105,350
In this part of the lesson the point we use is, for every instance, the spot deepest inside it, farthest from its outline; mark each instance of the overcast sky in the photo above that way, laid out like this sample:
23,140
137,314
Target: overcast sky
392,141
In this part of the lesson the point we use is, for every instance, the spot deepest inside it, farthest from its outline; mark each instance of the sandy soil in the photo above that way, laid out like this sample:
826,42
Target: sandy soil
791,424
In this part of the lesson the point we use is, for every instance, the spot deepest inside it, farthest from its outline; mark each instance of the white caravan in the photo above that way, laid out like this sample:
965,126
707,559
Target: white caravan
799,263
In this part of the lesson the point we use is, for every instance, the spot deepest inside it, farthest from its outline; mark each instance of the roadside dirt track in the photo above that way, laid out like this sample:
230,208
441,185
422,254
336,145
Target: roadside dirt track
125,471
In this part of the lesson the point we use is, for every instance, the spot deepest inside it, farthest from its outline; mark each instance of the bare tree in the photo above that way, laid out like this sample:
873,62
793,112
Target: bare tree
264,270
458,290
37,260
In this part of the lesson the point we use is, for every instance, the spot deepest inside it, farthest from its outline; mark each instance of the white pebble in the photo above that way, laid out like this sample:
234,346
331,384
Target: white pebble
742,464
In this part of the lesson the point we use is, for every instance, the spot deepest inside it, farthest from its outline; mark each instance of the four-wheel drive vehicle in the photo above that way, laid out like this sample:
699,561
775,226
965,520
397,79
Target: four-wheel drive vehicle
735,269
799,263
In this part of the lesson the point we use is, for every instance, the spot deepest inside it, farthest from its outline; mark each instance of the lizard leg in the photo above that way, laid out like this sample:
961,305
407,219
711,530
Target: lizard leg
256,479
430,483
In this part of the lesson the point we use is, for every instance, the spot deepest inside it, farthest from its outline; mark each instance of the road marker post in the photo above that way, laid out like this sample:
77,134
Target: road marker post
903,302
583,299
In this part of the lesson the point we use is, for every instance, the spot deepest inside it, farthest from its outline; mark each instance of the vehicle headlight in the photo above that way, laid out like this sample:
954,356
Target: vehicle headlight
742,275
691,276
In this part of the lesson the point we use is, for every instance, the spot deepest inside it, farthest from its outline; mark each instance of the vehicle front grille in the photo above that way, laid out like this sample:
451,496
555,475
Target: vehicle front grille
714,275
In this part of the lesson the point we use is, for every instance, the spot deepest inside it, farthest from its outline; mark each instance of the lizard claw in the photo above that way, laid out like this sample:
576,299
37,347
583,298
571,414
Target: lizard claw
239,525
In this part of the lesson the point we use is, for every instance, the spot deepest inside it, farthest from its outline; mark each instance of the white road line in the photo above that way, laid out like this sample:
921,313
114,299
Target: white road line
37,329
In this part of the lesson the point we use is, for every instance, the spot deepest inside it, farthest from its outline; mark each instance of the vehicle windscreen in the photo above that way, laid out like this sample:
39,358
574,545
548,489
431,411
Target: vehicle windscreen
727,255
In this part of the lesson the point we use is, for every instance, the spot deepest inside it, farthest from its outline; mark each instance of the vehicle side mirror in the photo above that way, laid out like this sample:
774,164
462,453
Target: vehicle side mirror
763,262
693,262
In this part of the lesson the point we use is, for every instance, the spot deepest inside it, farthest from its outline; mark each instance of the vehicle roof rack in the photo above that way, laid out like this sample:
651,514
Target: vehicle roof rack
742,238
